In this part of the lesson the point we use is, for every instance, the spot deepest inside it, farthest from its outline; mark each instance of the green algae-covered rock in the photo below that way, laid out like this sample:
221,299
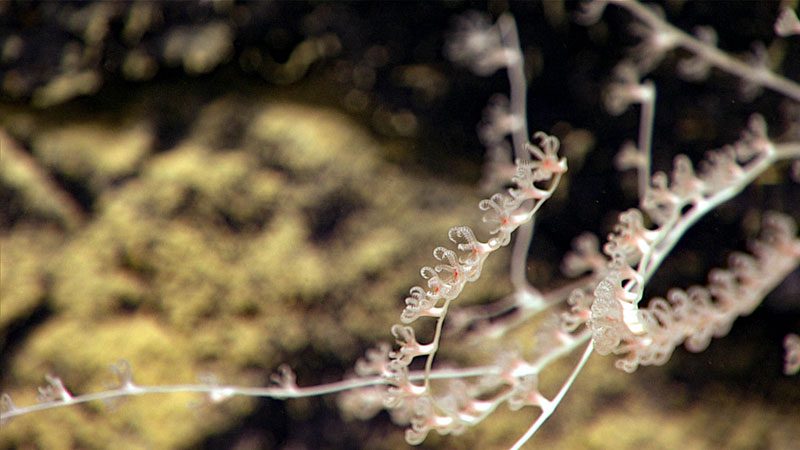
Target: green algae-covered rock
295,245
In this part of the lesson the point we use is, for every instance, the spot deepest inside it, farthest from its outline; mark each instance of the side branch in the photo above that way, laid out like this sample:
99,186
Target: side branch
671,36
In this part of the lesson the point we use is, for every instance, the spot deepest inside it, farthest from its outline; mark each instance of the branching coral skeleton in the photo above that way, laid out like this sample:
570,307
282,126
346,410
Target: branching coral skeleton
606,313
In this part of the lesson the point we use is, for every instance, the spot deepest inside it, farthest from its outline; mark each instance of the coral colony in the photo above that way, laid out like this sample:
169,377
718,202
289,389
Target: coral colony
603,311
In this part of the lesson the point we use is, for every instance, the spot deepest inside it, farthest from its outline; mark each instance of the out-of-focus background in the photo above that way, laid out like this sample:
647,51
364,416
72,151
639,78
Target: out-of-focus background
218,188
